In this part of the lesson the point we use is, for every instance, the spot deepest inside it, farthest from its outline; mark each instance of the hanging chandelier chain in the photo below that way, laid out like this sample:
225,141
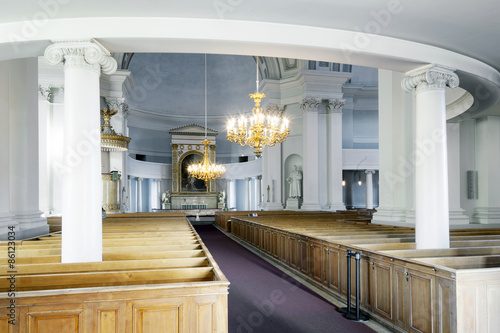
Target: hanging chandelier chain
206,96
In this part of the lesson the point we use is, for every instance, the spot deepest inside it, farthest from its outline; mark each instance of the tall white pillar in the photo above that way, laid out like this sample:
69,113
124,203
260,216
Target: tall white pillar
487,210
127,199
257,195
310,154
139,194
271,174
335,188
396,171
431,170
24,184
247,193
6,218
82,187
457,214
369,188
231,199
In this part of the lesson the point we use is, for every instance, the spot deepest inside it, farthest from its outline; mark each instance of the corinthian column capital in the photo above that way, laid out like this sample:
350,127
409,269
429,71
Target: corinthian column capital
430,77
82,54
335,105
310,104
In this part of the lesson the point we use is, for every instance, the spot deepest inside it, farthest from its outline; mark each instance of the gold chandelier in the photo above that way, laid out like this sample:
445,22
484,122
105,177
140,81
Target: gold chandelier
206,170
261,128
110,141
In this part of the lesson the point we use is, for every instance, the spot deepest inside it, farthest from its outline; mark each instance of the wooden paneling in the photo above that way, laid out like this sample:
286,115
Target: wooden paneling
421,289
382,276
205,317
107,321
333,271
165,317
55,321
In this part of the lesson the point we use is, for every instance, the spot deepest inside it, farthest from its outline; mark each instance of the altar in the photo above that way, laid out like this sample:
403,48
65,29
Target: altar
190,201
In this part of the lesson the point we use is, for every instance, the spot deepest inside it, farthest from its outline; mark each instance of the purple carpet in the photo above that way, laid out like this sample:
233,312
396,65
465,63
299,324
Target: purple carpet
263,299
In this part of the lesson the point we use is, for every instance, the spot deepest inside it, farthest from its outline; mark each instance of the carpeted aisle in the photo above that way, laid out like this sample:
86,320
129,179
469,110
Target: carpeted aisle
263,299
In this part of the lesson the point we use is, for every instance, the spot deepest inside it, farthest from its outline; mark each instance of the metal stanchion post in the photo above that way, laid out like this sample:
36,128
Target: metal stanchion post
358,316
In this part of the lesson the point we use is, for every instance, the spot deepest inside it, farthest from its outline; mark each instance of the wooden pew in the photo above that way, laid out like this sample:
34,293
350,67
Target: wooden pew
156,274
448,290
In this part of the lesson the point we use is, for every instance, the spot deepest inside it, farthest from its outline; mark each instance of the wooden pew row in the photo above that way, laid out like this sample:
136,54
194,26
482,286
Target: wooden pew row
408,290
223,218
164,279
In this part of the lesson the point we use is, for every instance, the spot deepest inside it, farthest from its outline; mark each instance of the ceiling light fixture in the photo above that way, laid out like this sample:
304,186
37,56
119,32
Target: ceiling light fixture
261,128
206,170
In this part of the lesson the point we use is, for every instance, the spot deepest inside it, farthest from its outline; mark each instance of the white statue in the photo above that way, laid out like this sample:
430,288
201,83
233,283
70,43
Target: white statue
222,196
295,179
165,197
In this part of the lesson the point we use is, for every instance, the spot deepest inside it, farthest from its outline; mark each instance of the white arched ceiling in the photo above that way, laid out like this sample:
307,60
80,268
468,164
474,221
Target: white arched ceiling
395,35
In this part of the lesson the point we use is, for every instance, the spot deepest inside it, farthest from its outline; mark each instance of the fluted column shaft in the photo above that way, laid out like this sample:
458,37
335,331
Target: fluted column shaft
431,167
81,170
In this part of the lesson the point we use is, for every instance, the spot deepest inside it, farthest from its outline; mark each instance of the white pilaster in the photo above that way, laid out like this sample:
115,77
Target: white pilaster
231,199
310,154
369,188
82,188
456,213
257,193
335,188
247,194
431,171
6,218
271,167
487,210
396,170
24,184
139,194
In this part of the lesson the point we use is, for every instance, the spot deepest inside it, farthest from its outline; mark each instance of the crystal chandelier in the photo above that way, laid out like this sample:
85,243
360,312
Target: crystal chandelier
110,141
206,170
261,128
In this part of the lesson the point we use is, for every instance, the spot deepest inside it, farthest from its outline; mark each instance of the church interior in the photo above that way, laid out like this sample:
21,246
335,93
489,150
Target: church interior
152,154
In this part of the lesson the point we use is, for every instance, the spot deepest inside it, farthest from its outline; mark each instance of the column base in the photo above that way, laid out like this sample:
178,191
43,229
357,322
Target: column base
336,206
30,220
390,216
272,206
311,206
458,216
486,215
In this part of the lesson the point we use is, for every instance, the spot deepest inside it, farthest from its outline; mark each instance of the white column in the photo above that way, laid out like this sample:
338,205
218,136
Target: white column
127,200
6,218
82,187
456,213
257,196
247,193
310,194
139,194
231,196
396,171
487,210
335,188
369,188
24,183
431,171
271,174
